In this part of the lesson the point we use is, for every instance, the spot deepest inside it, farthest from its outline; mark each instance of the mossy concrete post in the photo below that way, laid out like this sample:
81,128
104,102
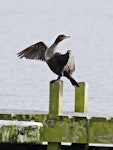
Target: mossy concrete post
81,97
55,108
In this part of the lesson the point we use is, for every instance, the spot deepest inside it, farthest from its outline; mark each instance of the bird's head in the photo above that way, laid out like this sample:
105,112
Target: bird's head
61,38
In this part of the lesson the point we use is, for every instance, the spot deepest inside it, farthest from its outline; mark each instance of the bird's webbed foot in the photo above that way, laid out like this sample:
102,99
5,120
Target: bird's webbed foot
55,80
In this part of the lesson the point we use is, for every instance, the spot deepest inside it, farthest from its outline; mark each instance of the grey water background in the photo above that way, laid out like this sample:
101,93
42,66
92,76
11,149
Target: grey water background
24,84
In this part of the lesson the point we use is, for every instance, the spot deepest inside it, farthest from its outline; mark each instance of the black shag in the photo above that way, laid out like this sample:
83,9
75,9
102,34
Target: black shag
60,64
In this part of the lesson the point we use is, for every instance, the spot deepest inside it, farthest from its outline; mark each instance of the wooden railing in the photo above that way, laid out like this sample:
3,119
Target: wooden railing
57,126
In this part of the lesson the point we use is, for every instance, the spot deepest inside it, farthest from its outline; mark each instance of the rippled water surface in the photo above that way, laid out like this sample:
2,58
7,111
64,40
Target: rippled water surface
24,84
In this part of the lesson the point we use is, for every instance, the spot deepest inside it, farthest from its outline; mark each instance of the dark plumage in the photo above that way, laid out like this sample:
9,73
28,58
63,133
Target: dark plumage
60,64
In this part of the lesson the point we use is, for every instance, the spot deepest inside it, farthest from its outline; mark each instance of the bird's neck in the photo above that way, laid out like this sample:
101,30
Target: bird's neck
57,41
51,50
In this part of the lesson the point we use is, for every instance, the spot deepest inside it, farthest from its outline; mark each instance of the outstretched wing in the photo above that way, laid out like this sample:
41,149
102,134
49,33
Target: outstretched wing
36,51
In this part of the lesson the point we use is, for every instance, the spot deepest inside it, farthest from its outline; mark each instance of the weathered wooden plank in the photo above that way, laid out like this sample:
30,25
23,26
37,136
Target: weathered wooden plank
74,129
66,129
21,132
101,130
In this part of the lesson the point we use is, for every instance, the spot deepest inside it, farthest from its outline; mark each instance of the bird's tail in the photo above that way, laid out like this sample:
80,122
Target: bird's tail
73,82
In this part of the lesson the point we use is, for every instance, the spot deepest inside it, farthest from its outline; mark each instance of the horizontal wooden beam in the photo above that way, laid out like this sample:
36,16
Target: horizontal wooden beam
100,130
21,132
67,128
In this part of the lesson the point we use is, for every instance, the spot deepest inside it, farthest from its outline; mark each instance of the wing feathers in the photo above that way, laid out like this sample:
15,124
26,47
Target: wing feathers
70,65
36,51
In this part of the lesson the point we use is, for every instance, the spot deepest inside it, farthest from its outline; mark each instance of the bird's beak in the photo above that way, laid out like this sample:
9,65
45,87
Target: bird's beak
67,37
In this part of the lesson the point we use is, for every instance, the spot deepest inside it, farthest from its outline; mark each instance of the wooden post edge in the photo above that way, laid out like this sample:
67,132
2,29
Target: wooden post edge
81,97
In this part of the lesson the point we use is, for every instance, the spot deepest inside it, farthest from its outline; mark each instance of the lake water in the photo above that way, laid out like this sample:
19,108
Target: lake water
24,84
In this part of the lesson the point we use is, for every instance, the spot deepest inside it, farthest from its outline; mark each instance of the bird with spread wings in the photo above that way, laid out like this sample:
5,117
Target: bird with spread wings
60,64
